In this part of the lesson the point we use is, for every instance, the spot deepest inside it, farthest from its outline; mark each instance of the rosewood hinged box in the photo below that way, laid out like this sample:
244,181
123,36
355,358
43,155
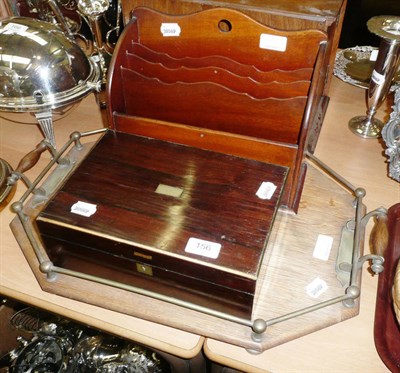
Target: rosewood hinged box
186,222
208,129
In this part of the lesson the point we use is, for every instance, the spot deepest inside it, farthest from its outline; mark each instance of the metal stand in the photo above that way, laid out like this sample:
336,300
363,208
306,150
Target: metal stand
45,119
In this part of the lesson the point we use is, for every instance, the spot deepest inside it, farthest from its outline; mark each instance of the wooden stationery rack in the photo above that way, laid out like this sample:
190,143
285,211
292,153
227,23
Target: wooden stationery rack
218,80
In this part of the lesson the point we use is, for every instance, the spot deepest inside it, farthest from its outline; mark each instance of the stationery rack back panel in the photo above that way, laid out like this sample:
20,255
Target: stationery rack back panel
280,14
287,15
218,80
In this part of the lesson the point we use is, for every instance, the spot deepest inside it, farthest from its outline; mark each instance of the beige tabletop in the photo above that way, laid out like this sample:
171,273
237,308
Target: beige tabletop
349,345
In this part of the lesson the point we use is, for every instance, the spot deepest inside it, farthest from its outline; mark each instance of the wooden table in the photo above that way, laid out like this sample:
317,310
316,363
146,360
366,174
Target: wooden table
347,346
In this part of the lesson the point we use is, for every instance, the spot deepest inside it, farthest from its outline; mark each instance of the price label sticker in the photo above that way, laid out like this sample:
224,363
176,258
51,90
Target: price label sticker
378,78
266,190
170,29
202,247
22,30
374,55
15,28
83,208
316,287
273,42
323,247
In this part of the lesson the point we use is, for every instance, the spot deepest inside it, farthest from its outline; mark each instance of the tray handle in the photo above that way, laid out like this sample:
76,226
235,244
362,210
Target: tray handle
27,162
379,238
30,159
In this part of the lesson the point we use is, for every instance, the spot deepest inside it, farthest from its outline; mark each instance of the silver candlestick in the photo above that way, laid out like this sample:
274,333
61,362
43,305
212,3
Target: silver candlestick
94,10
388,29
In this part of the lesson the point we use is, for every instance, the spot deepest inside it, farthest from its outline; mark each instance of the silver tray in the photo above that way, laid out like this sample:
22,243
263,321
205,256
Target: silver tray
355,65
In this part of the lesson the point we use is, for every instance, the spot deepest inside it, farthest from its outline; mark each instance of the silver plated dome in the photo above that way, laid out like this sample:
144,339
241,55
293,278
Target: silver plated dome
40,68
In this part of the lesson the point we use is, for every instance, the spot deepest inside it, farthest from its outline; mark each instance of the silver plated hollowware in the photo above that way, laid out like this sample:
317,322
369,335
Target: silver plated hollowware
41,71
5,172
50,344
391,138
355,65
388,29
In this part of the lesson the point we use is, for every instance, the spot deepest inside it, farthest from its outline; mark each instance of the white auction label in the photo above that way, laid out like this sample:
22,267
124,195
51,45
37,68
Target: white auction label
83,208
170,29
316,287
273,42
378,78
202,247
374,55
15,28
22,30
266,190
323,247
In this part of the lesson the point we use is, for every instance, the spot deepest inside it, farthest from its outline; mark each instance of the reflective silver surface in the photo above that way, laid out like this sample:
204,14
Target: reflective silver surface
5,172
60,346
388,29
93,8
40,68
391,137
